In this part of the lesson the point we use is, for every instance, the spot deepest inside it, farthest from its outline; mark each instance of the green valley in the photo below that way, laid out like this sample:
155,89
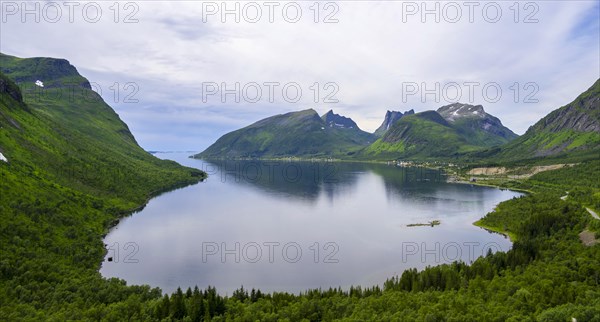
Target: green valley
73,168
300,161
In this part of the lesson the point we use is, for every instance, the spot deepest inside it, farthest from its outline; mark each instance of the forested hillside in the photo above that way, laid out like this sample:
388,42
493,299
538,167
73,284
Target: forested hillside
72,169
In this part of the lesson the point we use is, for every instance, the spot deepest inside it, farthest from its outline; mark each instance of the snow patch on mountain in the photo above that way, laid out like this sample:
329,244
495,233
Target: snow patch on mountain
456,111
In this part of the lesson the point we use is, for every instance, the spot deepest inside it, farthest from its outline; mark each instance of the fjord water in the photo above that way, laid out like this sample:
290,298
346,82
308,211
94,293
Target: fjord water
293,226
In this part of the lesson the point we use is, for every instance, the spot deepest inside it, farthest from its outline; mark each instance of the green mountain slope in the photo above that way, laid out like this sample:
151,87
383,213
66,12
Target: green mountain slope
68,132
72,169
450,132
424,134
475,125
302,134
570,131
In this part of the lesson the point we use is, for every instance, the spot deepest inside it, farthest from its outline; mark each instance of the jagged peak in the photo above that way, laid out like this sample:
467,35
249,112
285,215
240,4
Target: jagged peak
408,112
335,120
390,118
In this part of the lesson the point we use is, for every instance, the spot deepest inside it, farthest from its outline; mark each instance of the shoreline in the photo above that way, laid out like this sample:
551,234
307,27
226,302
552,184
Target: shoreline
492,186
130,212
512,237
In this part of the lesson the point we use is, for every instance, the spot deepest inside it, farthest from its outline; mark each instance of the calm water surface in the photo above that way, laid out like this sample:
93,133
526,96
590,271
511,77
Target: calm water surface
290,226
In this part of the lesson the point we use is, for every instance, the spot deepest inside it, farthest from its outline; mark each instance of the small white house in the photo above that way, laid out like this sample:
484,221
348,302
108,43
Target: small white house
3,158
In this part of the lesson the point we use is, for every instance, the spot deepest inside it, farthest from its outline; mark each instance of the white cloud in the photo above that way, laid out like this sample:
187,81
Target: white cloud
369,54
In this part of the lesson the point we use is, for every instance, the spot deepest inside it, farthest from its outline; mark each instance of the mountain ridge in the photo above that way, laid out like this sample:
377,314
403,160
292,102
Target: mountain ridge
300,133
450,131
269,137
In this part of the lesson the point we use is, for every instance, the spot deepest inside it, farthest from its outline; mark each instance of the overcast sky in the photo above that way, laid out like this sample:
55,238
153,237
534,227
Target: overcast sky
366,56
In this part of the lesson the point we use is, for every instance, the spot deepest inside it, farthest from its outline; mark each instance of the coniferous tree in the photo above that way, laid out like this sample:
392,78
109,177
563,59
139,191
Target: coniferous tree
178,305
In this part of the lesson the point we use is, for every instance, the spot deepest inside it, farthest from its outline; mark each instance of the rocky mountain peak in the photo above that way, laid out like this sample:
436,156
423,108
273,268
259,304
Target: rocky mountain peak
338,121
455,111
390,118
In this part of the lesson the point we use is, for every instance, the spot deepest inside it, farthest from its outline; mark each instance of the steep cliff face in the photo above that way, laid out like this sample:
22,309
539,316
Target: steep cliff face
390,118
581,115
